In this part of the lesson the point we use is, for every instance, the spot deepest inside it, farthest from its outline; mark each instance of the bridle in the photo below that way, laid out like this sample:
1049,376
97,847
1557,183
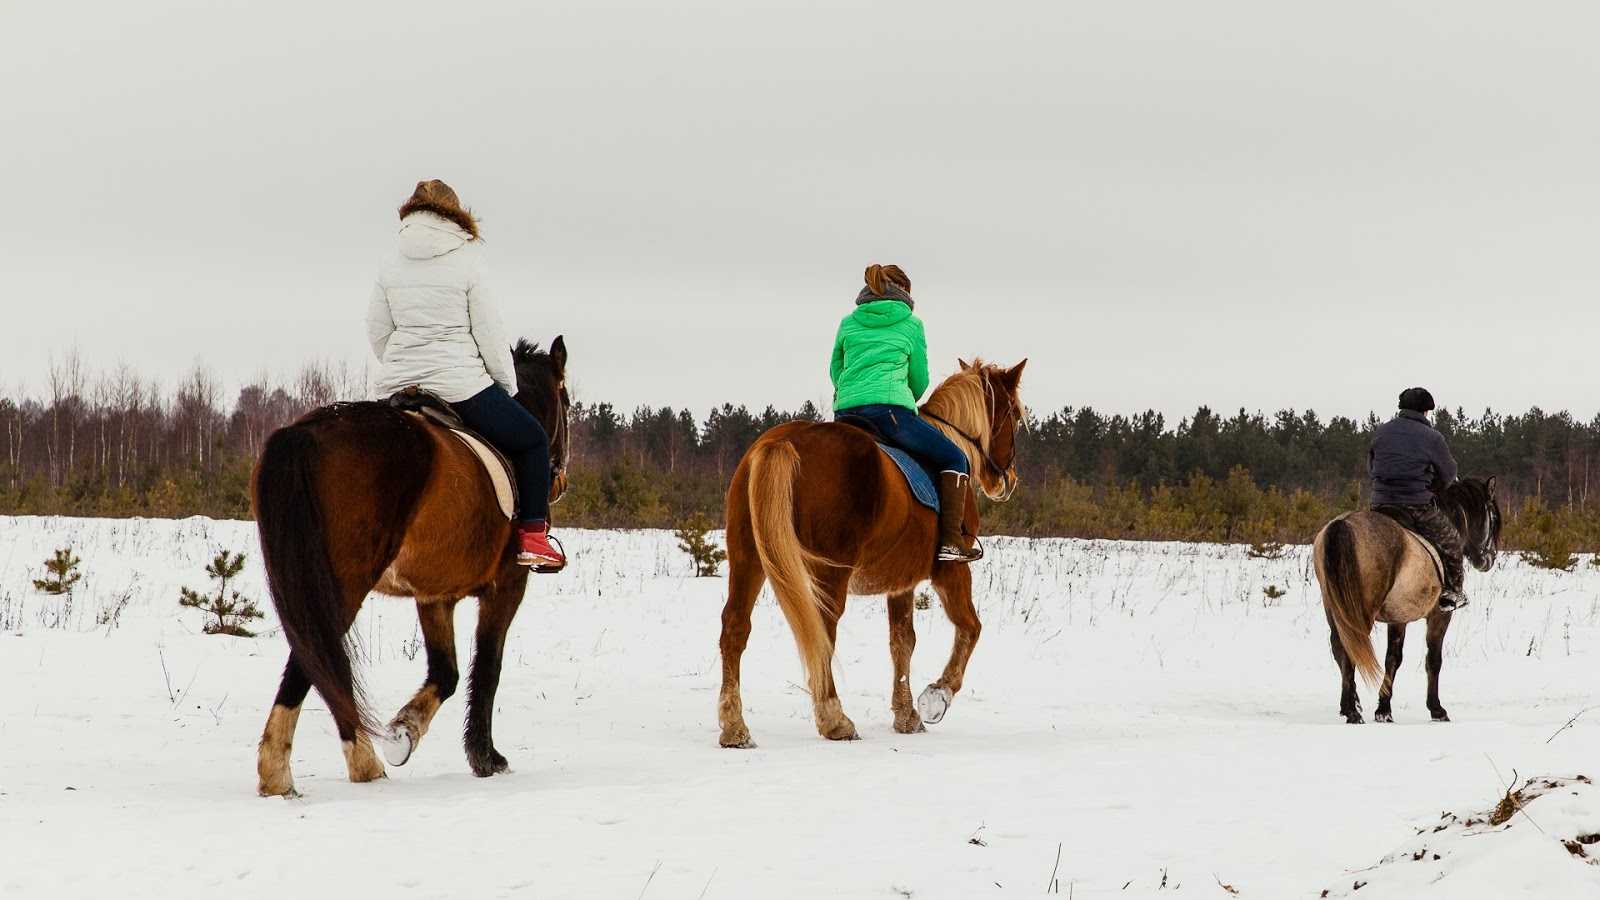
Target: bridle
558,467
1488,546
987,459
1005,475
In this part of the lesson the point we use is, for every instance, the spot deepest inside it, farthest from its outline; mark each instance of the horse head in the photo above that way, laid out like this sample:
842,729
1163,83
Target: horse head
980,409
1472,503
542,390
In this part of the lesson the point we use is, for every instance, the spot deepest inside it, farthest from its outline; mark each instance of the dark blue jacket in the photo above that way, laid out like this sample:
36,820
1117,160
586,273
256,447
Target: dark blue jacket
1409,461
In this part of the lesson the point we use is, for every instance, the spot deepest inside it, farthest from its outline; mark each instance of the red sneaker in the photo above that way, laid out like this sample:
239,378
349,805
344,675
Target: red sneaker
534,548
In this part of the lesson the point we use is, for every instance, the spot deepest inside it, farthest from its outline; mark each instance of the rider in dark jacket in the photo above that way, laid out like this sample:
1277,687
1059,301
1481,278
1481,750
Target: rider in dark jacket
1410,463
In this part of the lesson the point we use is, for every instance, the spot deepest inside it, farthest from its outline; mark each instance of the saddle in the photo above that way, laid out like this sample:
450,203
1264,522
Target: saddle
922,482
432,408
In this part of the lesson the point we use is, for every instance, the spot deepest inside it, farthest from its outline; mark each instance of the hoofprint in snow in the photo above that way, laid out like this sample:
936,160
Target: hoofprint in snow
1139,720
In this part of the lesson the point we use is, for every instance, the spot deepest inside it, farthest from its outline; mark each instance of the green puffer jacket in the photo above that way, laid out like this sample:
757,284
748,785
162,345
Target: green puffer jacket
879,356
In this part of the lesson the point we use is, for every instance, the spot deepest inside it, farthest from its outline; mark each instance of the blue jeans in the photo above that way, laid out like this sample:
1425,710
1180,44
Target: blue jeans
902,428
515,432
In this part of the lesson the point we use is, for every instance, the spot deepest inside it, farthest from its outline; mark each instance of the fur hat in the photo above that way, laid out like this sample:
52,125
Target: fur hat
1416,399
440,199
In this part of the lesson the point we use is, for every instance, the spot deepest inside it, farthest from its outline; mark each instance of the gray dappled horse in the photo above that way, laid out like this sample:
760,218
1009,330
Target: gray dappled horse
1372,569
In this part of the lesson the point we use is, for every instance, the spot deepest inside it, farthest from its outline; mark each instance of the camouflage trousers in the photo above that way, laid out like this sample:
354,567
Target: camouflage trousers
1435,527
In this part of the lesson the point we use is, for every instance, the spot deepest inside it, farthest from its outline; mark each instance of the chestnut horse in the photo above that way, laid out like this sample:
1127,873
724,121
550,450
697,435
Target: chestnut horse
821,512
1371,569
362,497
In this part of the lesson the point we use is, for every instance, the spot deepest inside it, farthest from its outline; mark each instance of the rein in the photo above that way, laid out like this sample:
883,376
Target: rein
988,460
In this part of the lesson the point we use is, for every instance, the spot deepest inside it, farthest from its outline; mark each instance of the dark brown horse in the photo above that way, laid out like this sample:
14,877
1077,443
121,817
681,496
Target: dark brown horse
362,497
821,512
1372,570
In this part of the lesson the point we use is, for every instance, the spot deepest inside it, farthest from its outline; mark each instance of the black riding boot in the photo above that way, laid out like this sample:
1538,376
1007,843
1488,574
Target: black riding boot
1451,597
952,506
1436,527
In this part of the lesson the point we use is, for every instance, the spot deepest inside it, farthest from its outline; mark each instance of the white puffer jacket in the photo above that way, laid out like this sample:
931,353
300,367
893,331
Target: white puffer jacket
432,321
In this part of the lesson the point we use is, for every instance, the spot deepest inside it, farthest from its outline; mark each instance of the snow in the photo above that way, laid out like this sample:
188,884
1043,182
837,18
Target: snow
1141,711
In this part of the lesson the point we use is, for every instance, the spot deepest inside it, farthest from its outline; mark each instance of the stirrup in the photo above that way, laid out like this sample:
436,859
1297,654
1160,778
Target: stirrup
546,568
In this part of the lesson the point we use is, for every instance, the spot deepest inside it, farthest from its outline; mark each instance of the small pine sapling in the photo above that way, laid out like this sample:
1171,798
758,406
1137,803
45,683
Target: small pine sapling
693,539
63,573
1550,541
1274,593
1268,549
1552,549
232,611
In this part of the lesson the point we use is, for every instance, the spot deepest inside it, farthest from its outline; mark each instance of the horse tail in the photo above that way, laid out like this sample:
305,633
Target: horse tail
300,577
773,468
1345,601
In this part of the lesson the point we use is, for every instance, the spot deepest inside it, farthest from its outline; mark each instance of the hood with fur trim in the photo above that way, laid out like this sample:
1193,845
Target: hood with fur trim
425,235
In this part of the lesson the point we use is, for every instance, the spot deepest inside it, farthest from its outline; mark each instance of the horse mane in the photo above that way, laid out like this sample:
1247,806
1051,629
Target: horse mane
1471,497
962,399
528,351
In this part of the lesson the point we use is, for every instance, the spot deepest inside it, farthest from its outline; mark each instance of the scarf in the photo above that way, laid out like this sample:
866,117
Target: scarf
891,291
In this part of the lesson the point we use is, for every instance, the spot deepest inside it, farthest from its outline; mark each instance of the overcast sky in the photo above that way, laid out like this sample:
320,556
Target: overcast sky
1160,204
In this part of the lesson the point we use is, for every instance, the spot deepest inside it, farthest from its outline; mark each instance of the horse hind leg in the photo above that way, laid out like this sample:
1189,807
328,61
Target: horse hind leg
1391,665
360,759
1349,700
274,776
406,729
902,641
829,713
832,723
744,586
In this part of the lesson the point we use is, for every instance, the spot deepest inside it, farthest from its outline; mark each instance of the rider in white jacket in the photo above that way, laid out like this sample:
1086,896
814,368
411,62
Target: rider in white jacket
432,323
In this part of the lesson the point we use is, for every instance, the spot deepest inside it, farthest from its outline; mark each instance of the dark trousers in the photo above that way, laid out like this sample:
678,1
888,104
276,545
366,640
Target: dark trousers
902,428
514,431
1436,528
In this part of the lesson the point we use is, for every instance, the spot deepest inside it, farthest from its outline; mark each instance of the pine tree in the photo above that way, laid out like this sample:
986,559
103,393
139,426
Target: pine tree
232,611
62,575
693,540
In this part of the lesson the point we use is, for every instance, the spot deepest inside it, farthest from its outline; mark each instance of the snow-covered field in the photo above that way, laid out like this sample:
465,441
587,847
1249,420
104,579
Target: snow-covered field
1139,720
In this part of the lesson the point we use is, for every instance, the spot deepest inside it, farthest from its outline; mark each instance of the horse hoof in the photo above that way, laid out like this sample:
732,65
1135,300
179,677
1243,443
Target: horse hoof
1354,720
1441,716
287,792
1383,717
914,726
492,764
737,739
933,703
842,730
396,745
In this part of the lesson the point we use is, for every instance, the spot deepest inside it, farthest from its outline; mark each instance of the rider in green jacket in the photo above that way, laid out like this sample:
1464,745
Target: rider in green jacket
879,372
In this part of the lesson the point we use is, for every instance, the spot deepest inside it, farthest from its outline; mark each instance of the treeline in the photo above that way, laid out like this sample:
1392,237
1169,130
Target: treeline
115,444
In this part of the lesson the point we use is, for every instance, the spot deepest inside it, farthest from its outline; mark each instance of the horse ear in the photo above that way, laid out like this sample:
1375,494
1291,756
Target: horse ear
964,364
1014,374
558,353
1488,484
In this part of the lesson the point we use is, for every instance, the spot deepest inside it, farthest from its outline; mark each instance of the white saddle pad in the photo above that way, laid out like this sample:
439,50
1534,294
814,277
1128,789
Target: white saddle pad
497,472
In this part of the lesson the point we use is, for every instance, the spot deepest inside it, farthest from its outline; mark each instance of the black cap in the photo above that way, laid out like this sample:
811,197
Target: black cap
1416,399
